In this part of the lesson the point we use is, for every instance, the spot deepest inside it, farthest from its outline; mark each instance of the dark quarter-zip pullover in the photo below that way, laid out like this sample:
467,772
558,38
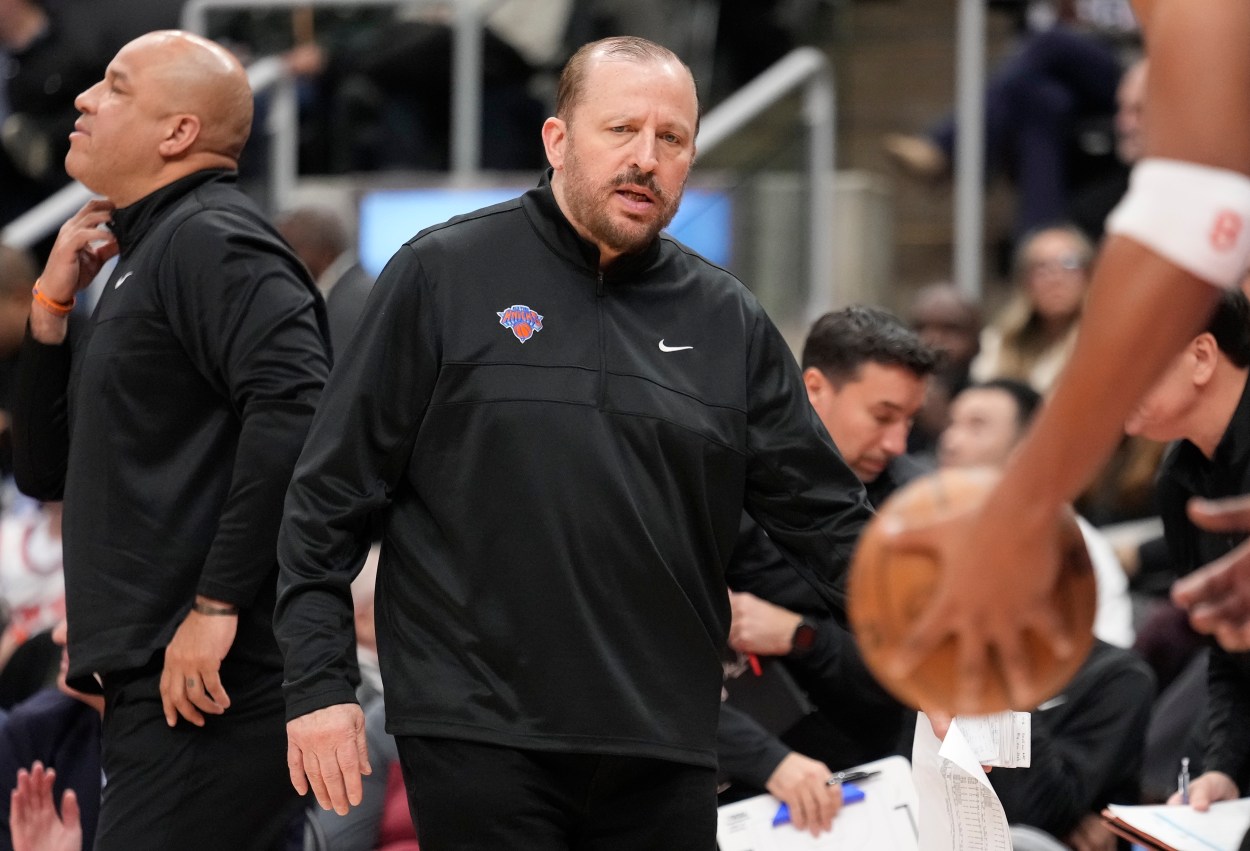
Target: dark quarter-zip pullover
561,456
171,421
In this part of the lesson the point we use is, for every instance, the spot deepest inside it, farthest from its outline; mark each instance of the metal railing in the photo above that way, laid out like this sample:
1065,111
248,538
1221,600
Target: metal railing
969,211
468,23
806,68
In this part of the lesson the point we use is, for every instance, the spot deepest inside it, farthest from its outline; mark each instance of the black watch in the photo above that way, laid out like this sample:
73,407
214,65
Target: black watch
804,638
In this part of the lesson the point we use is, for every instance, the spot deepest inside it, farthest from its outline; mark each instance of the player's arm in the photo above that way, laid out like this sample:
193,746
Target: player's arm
1001,561
1144,306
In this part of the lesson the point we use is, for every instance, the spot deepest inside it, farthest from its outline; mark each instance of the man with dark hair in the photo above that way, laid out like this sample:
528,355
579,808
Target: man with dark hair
987,421
840,343
560,416
865,374
1202,401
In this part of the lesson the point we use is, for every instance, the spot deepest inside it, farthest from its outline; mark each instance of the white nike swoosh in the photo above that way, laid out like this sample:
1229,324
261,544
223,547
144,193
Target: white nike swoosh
665,348
121,280
1058,700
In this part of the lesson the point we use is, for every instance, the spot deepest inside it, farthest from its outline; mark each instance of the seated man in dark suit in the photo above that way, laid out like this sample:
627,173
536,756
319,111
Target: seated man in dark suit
1202,402
866,376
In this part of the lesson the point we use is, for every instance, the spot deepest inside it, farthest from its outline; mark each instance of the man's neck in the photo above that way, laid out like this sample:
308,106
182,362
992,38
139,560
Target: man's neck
1213,416
172,172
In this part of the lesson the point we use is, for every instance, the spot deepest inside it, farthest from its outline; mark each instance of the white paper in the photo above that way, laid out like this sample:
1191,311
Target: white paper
885,819
1003,740
1219,829
959,810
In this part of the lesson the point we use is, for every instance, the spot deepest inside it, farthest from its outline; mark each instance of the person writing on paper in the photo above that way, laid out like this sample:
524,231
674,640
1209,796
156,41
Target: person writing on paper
866,374
1181,234
1202,401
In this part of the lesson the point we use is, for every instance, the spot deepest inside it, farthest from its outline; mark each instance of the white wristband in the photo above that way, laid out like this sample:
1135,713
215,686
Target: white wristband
1194,216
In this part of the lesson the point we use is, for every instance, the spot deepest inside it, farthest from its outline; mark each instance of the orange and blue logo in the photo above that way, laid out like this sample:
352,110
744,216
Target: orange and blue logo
523,321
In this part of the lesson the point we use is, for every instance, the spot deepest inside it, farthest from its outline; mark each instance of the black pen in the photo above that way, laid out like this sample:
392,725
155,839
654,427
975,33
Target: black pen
850,777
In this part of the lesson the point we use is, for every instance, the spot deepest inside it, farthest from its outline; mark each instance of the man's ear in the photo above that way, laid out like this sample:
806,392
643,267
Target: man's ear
816,382
555,139
1206,355
183,130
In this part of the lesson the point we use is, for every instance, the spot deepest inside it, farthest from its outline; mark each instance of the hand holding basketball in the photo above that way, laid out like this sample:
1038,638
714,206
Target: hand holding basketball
975,645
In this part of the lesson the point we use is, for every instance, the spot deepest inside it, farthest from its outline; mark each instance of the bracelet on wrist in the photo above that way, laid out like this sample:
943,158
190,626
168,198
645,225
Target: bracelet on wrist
209,609
56,308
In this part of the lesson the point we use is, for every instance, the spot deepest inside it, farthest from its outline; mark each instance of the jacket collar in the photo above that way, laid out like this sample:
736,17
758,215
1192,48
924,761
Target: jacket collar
1221,474
1233,450
558,233
131,223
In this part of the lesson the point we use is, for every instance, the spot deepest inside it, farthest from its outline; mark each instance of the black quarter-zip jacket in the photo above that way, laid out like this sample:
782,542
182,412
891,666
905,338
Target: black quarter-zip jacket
561,457
1185,473
171,421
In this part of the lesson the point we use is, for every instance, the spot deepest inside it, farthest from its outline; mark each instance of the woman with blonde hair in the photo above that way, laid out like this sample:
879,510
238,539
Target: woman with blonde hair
1032,338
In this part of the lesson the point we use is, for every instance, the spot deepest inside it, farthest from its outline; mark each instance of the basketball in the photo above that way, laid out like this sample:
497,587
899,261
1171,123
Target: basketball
889,591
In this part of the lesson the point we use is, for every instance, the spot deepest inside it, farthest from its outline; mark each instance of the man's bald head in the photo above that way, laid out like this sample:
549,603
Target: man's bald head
170,104
202,78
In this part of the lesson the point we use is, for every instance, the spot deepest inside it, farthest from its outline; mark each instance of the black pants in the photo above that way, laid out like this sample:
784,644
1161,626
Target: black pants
467,796
224,785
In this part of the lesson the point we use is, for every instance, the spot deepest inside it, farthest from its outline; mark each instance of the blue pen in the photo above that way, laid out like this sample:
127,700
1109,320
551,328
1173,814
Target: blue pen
850,795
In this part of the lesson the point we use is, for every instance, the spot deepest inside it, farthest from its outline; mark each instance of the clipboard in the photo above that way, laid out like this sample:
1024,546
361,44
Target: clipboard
887,817
1124,830
1181,828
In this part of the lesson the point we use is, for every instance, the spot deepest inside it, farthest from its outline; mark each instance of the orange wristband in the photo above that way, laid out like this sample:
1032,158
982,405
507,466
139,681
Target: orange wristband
56,308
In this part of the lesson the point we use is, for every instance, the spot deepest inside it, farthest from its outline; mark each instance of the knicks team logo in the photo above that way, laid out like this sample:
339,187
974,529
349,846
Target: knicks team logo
523,321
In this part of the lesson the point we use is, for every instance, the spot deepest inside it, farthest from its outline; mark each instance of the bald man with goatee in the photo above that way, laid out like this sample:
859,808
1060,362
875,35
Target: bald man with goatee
169,423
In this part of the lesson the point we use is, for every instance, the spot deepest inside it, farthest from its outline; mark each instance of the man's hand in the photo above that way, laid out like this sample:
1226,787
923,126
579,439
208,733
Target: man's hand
1208,788
941,724
1217,596
190,681
81,248
999,568
802,784
1091,834
33,820
760,627
327,749
939,721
